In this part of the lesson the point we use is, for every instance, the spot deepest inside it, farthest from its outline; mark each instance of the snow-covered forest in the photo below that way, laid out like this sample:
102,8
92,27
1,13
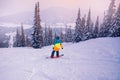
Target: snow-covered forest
84,29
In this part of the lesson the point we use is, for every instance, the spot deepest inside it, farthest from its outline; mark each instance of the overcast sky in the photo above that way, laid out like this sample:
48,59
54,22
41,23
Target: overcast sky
13,6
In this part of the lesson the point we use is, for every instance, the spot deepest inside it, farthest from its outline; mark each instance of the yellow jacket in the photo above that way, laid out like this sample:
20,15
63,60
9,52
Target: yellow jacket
57,47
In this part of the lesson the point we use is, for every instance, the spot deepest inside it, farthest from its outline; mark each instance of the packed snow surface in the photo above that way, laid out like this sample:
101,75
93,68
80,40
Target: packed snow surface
96,59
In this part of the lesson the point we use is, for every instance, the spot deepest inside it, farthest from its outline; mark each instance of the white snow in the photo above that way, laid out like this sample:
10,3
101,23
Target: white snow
96,59
11,36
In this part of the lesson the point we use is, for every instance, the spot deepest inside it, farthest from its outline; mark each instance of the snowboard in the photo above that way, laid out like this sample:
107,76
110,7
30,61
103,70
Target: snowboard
55,57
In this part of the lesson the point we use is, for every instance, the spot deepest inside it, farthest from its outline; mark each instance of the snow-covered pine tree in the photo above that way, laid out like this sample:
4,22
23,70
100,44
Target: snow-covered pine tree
62,37
115,29
105,28
17,41
68,35
27,42
91,30
22,36
77,34
37,35
96,28
89,26
45,41
50,36
83,29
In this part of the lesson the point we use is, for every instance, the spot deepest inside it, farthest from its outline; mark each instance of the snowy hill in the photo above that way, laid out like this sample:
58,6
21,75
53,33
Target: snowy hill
96,59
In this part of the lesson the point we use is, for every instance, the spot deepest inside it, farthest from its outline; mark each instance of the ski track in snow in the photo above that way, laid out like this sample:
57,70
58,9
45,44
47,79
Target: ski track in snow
96,59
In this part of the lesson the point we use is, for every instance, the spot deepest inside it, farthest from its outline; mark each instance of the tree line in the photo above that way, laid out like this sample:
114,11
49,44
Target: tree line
85,29
110,27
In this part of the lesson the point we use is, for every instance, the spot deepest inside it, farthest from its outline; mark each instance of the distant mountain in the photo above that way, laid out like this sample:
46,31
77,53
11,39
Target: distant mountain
50,15
25,17
58,15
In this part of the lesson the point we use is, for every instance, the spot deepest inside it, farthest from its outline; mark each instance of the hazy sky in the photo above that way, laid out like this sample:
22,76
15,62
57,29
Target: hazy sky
14,6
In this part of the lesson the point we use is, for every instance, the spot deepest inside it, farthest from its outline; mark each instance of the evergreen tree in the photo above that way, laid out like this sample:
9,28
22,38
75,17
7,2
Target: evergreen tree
115,29
45,37
28,43
69,35
22,37
91,31
105,28
62,36
89,27
49,36
17,42
83,29
77,34
37,35
96,29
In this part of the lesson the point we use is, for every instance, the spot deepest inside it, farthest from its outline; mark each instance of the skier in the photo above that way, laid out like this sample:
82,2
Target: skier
56,47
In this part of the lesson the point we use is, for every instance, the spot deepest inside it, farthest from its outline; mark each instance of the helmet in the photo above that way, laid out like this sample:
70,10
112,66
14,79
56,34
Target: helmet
57,37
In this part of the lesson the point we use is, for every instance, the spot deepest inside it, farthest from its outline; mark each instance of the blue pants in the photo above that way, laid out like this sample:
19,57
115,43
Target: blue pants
57,53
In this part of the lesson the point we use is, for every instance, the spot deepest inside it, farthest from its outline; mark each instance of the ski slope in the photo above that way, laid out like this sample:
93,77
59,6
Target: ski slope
96,59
